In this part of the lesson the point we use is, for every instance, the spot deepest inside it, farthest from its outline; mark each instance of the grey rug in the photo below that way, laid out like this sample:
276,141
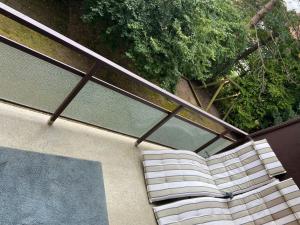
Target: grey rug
40,189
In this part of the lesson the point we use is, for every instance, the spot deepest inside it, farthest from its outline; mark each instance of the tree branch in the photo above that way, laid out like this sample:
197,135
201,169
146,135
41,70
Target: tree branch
252,49
261,13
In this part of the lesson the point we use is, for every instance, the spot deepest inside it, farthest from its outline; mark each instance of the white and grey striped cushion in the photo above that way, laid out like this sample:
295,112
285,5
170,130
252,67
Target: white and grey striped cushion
173,174
276,203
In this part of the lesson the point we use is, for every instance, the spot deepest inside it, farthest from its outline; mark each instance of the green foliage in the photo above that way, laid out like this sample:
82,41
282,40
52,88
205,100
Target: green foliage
261,106
169,39
271,83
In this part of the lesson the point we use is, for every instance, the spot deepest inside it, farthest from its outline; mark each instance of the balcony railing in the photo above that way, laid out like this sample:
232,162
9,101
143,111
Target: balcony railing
37,81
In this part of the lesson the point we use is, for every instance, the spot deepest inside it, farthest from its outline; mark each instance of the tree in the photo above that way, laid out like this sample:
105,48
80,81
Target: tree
223,69
271,78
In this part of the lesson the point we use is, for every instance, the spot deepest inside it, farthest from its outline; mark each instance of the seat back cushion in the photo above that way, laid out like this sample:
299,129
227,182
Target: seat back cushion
268,157
244,168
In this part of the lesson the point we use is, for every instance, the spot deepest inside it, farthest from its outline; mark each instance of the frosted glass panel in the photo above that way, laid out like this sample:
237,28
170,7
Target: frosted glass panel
30,81
104,107
215,147
179,134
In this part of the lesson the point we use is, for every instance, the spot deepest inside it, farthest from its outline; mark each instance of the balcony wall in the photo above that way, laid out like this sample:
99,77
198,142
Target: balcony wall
285,141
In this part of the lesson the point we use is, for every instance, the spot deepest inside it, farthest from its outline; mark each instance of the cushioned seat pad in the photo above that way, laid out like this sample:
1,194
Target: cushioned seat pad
173,174
276,203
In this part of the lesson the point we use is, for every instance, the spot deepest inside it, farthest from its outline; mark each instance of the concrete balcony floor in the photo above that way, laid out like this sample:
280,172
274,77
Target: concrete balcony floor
126,196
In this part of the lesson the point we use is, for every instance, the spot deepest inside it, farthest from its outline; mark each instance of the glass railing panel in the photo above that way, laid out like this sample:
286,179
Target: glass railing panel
215,147
207,123
124,82
30,81
202,120
40,43
98,105
180,134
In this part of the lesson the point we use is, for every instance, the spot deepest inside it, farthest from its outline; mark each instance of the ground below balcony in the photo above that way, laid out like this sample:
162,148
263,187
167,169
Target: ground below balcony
126,196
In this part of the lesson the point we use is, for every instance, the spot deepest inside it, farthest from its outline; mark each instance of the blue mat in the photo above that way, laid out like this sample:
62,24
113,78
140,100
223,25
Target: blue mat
40,189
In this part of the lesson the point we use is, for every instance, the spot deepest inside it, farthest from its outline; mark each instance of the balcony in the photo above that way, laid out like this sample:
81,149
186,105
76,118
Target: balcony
48,106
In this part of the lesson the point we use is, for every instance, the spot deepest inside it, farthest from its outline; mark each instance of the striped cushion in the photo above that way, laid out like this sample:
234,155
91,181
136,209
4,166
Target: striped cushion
273,204
178,173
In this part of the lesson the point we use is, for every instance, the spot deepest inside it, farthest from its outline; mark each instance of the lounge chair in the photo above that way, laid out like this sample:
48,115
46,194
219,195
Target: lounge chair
276,203
174,174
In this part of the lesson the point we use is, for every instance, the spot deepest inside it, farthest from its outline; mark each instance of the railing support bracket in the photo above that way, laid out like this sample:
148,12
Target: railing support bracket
73,94
158,125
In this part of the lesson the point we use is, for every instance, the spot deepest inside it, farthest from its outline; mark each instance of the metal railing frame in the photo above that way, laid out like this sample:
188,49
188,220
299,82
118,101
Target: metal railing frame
100,60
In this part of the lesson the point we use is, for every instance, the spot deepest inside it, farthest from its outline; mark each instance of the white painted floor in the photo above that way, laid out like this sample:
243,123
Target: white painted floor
126,195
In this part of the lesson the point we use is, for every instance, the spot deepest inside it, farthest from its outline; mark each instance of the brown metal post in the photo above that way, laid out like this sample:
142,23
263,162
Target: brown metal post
158,125
73,94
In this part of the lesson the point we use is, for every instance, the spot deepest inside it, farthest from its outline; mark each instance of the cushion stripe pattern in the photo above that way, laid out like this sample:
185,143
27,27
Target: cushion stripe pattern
173,174
276,203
